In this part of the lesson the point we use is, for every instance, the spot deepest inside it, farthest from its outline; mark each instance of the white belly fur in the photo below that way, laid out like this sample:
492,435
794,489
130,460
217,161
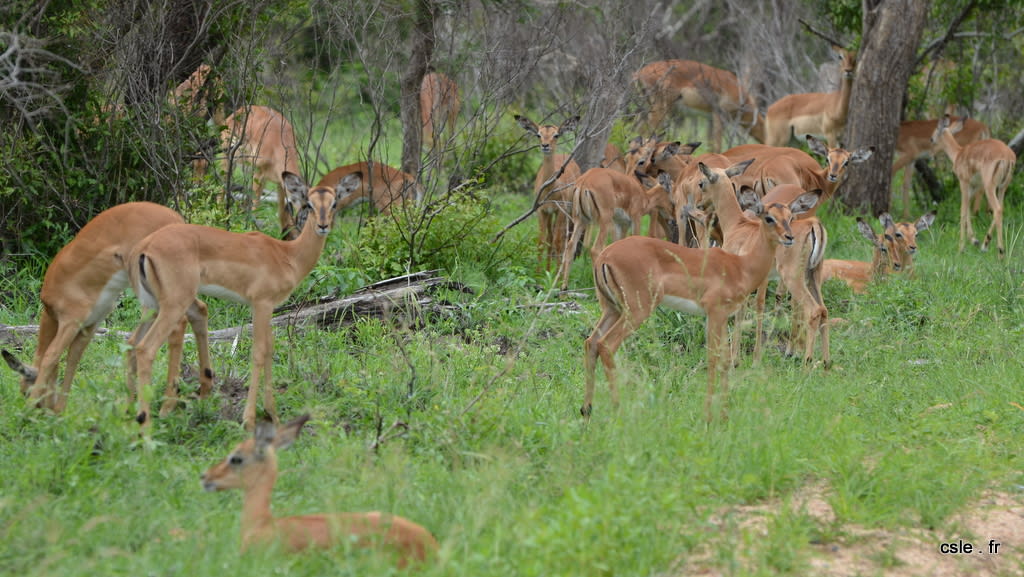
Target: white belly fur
109,296
687,306
220,292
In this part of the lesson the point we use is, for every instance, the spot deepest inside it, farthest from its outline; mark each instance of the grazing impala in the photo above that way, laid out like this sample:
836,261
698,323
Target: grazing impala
915,141
985,164
83,285
635,275
263,137
812,113
384,186
252,467
699,87
170,267
552,187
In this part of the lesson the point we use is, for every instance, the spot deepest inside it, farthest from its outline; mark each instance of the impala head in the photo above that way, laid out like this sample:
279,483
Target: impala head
548,133
906,233
320,202
645,154
253,460
946,122
847,60
837,159
776,218
711,177
887,254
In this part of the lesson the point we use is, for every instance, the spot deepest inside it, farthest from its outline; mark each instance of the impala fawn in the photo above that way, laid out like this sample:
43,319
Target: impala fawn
252,467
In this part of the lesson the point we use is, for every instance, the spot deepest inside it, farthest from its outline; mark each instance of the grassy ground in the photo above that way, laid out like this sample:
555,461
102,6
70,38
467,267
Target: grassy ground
907,443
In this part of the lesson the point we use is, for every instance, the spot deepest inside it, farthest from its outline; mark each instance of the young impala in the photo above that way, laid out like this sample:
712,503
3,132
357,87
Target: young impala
984,166
252,467
635,275
170,267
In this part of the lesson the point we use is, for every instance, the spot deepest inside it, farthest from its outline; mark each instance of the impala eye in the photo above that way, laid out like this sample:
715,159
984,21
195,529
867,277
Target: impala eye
235,460
769,220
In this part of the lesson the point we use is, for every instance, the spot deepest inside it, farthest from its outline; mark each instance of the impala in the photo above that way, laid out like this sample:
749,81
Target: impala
985,164
252,468
611,202
885,258
799,271
263,138
814,113
439,107
906,240
699,87
915,141
170,267
384,186
83,285
552,187
687,192
635,275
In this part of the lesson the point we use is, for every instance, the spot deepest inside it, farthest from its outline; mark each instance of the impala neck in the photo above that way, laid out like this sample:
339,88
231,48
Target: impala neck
256,515
306,249
845,88
949,144
730,215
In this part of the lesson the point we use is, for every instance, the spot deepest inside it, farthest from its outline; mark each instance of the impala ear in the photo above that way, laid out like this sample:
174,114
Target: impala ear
671,149
925,221
816,145
689,148
804,202
348,185
708,174
569,125
528,125
738,168
866,232
287,434
263,437
862,154
749,199
887,222
297,189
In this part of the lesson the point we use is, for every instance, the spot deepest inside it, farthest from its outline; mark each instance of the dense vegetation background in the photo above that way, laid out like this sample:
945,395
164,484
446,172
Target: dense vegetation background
466,420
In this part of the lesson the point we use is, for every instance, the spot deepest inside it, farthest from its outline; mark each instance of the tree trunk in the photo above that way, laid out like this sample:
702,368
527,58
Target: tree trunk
892,31
420,53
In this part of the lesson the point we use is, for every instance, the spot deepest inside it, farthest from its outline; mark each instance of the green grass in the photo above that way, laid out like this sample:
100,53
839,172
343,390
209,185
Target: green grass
907,430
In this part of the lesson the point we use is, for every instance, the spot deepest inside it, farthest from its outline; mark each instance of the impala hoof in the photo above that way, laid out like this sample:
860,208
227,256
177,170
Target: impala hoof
585,410
142,417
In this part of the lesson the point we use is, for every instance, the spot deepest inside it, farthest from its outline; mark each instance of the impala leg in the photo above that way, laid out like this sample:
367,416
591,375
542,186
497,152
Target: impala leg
44,390
198,318
47,332
591,349
908,176
167,321
58,401
717,345
966,228
762,292
175,346
570,248
995,203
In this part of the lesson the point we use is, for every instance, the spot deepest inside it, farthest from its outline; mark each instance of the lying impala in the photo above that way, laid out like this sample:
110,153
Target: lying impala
635,275
384,186
985,164
915,141
885,258
263,138
699,87
175,264
906,240
552,187
812,113
83,285
252,467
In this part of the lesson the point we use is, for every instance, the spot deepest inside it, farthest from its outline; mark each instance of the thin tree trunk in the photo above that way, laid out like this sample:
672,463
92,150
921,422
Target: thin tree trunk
421,51
892,32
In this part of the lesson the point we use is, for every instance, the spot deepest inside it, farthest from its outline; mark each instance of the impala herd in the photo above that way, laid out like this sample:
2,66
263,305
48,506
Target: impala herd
720,225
